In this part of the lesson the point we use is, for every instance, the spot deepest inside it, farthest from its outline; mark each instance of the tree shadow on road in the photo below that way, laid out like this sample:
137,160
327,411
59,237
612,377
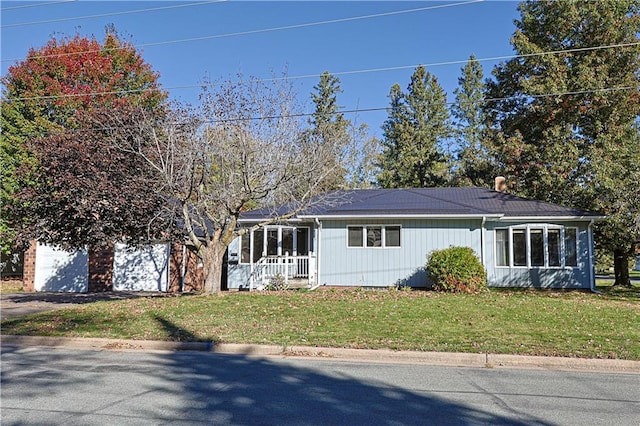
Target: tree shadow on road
249,390
192,387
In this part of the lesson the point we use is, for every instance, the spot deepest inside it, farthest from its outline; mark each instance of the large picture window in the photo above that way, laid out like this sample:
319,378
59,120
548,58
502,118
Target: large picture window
547,246
373,236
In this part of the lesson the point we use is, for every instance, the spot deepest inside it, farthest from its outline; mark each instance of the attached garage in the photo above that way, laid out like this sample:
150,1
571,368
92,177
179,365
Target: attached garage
60,270
159,267
141,269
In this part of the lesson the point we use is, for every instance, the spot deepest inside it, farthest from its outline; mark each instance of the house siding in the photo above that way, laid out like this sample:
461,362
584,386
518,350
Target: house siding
238,275
384,267
343,266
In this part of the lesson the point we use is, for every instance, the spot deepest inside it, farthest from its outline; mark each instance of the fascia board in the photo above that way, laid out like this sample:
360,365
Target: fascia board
293,219
551,218
402,216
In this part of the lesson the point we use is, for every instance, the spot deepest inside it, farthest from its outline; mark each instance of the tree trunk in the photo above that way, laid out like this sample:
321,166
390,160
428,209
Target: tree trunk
212,258
621,268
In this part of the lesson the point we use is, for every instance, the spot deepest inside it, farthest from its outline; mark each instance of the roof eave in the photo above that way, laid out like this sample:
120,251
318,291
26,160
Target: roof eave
401,216
548,218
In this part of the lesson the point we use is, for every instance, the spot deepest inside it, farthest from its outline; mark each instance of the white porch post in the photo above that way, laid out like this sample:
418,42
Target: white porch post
251,277
286,268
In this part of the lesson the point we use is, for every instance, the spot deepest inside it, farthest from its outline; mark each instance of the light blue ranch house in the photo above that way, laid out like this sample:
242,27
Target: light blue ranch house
382,238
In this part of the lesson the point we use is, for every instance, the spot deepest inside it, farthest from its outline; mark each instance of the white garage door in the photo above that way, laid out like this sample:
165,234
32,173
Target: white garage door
60,270
141,269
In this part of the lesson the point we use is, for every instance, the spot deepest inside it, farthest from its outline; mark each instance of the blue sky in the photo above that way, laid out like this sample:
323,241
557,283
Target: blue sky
369,45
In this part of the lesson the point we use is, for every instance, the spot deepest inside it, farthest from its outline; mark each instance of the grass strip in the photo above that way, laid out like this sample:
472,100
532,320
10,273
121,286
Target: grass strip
552,323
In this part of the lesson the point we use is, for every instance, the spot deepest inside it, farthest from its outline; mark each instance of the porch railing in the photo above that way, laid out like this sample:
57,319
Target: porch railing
287,267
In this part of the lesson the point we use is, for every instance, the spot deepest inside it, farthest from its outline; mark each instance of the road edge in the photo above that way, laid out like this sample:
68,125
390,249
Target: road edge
477,360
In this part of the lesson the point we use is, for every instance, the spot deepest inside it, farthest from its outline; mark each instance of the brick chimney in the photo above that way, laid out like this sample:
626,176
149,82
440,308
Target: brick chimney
500,184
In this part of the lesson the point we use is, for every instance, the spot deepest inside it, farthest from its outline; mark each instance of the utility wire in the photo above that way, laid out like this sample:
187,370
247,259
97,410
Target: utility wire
353,72
259,31
50,3
126,12
358,110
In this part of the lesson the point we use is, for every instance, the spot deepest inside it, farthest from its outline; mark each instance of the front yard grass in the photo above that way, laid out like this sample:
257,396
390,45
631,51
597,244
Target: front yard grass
532,322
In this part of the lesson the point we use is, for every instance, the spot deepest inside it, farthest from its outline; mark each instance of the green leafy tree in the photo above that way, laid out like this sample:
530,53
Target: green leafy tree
48,94
473,166
417,125
564,119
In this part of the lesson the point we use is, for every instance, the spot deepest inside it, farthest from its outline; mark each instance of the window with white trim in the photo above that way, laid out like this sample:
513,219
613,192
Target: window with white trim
373,236
274,241
536,246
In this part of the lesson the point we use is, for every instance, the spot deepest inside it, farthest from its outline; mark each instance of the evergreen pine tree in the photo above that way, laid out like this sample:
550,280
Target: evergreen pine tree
417,125
565,124
472,166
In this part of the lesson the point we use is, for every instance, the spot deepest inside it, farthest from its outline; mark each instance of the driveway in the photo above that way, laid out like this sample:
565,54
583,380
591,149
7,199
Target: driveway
18,304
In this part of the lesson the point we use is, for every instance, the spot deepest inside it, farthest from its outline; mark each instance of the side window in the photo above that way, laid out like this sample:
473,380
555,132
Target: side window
374,236
553,242
355,236
502,247
519,247
537,247
571,247
392,236
258,244
245,248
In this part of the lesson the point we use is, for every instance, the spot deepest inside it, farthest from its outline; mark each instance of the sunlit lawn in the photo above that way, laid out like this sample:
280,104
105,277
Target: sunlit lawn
559,323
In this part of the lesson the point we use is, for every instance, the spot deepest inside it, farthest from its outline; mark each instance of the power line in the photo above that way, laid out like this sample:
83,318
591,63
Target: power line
50,3
126,12
361,110
263,30
352,72
358,110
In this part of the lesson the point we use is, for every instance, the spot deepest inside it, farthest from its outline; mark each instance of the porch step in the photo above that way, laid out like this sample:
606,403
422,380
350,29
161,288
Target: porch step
297,283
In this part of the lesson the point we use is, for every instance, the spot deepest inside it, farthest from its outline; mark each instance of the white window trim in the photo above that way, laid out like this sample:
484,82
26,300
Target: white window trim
383,244
527,228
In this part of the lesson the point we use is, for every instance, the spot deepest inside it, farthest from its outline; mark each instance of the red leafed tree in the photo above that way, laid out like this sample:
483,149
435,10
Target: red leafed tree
52,160
86,191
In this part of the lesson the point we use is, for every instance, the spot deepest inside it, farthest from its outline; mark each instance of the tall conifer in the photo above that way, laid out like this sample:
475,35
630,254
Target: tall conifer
566,112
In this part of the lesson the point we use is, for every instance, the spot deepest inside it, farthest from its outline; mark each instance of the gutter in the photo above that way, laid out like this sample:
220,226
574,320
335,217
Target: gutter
552,218
319,224
404,216
592,275
482,242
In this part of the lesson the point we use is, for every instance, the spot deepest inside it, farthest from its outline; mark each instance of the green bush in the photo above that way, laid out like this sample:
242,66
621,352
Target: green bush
457,270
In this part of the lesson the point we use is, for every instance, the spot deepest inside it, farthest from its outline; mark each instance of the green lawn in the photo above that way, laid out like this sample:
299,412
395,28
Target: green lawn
558,323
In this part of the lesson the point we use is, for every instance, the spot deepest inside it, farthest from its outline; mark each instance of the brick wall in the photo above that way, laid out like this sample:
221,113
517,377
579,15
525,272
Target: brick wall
193,279
29,268
100,269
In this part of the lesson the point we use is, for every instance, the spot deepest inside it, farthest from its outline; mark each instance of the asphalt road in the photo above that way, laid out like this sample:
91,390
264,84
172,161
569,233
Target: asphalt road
56,386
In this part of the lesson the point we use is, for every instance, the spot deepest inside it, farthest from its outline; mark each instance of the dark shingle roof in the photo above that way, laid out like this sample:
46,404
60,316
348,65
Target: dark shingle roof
440,202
